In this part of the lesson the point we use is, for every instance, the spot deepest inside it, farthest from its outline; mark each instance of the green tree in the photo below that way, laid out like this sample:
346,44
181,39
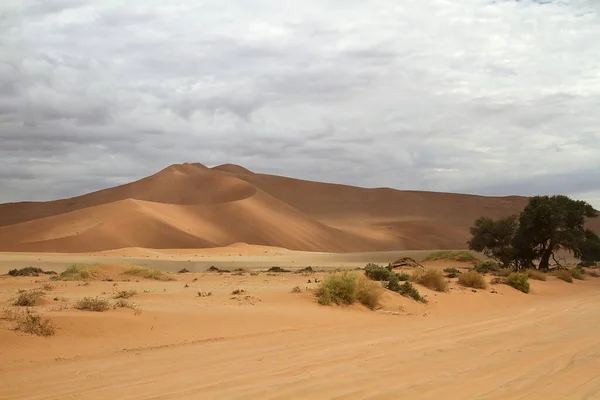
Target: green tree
495,238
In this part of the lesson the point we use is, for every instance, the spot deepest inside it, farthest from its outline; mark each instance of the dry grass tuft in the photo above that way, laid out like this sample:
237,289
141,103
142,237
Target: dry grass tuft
78,273
430,278
462,256
577,273
537,275
30,322
125,304
296,289
148,273
92,304
27,298
125,294
472,279
347,288
564,275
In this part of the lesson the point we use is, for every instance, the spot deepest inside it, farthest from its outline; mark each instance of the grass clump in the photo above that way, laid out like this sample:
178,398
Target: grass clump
377,273
47,287
577,273
408,290
503,272
145,272
347,288
518,281
461,256
92,304
27,298
77,273
472,279
30,322
277,269
564,275
125,294
430,278
451,272
487,267
125,304
537,275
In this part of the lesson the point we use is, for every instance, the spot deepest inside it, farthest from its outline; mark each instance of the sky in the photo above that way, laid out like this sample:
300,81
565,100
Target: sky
470,96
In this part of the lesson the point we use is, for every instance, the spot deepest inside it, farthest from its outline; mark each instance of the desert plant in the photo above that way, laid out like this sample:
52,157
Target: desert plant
518,281
47,287
377,272
76,272
451,272
564,275
27,298
486,267
472,279
430,278
537,275
593,274
125,304
307,269
30,322
238,291
408,290
461,256
92,304
393,283
577,273
277,269
125,294
403,276
503,272
346,288
296,289
27,271
145,272
183,271
368,292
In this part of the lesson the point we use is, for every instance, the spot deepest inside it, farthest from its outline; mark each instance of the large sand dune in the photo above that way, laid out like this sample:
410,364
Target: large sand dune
192,206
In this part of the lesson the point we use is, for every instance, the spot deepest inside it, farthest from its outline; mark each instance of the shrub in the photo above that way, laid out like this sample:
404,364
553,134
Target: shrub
393,283
92,304
564,275
30,322
204,294
307,269
377,273
408,290
296,289
403,276
183,271
430,278
461,256
145,272
593,274
577,273
77,273
47,287
125,294
238,291
125,304
472,279
537,275
451,272
27,271
277,269
27,299
346,288
518,281
486,267
503,272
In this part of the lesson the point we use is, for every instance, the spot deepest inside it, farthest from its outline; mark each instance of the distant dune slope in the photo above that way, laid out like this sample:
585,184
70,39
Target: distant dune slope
192,206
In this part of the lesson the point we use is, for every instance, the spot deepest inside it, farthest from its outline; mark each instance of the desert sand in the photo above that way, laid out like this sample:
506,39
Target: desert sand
270,343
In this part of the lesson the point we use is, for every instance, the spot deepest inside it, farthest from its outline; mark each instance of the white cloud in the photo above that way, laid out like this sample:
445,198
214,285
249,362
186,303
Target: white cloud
478,96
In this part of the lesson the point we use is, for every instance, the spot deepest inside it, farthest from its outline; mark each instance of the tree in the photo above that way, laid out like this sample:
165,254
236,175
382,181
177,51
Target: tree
546,225
494,238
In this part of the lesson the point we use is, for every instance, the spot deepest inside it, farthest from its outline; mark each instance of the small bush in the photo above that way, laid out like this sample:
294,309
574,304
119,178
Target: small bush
238,291
408,290
346,288
393,283
27,299
377,273
307,269
472,279
277,269
577,273
451,272
593,274
125,304
148,273
296,289
30,322
487,267
77,273
537,275
461,256
125,294
430,278
503,272
403,276
183,271
564,275
518,281
204,294
92,304
47,287
27,271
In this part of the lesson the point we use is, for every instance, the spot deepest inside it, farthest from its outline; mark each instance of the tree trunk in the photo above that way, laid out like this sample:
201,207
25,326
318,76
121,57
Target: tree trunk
545,260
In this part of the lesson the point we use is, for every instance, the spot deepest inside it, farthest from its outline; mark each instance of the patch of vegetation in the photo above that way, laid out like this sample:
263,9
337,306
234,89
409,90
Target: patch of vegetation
451,272
307,269
403,276
92,304
472,279
408,290
461,256
377,273
27,271
216,269
76,272
30,322
430,278
518,281
503,272
148,273
125,304
125,294
183,271
487,267
204,294
47,287
296,289
577,273
277,269
537,275
593,274
238,292
347,288
564,275
27,298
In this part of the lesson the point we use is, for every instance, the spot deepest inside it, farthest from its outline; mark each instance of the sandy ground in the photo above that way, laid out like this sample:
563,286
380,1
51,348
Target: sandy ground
270,343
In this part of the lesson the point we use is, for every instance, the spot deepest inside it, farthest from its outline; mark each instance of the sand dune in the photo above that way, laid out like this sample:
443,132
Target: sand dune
192,206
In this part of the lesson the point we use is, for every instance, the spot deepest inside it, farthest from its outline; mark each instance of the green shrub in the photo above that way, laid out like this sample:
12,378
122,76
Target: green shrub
377,273
346,288
78,273
461,256
537,275
577,273
472,279
92,304
430,278
277,269
564,275
393,283
148,273
452,272
408,290
487,267
403,276
518,281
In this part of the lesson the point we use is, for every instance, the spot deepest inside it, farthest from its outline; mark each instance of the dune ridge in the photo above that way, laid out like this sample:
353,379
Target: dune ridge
193,206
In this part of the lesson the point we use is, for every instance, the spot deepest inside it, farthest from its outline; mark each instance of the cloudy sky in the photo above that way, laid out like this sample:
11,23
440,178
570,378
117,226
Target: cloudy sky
474,96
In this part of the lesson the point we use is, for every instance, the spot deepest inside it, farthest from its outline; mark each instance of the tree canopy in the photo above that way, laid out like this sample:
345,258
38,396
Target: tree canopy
546,225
